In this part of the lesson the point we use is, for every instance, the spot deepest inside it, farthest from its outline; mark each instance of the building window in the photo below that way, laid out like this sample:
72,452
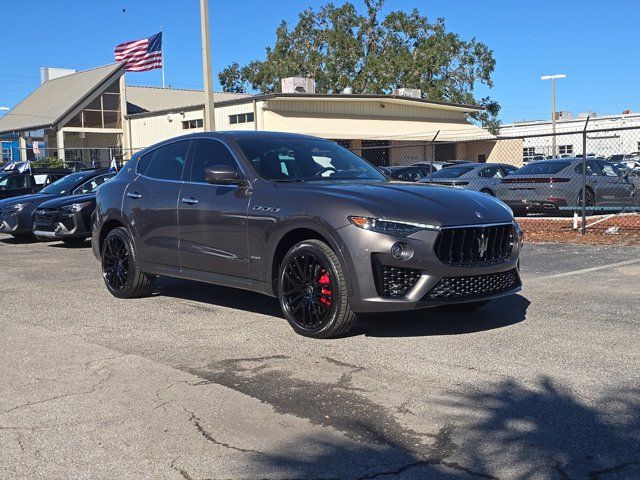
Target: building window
565,149
528,152
191,124
241,118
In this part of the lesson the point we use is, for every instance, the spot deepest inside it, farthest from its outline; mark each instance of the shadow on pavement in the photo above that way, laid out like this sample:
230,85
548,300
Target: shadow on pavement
504,430
9,240
498,313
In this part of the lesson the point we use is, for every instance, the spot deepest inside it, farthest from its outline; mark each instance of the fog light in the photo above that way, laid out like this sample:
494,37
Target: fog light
401,251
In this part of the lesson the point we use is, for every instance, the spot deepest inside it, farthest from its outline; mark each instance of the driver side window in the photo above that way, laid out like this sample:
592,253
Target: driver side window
208,153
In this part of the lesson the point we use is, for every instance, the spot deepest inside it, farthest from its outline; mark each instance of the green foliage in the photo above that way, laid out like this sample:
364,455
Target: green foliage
341,48
48,162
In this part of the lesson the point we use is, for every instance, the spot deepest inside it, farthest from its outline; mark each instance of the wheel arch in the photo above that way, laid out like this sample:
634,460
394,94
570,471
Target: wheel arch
298,234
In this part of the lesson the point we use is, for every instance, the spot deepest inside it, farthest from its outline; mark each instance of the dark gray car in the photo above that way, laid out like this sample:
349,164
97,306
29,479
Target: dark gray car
304,220
481,177
553,186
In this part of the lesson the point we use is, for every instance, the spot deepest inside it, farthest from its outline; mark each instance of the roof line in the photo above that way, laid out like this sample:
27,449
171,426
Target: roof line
241,95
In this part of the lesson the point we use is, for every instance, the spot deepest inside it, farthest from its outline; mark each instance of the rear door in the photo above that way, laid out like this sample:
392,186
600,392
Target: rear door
213,218
151,203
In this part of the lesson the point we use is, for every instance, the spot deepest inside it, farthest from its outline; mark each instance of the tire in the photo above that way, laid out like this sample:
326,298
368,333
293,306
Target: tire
120,270
312,290
74,242
590,199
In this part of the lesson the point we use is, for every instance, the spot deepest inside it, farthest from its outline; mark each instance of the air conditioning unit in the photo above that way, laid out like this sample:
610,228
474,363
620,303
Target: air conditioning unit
298,85
407,92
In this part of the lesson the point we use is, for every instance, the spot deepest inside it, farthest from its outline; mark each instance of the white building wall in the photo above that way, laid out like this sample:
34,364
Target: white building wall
147,130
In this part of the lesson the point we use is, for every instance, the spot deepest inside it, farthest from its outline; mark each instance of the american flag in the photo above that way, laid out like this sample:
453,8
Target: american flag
141,55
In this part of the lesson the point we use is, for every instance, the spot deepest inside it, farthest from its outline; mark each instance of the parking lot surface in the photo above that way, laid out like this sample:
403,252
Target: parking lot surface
200,381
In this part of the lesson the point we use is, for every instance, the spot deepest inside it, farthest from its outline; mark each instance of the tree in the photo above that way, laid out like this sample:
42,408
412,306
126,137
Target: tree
342,48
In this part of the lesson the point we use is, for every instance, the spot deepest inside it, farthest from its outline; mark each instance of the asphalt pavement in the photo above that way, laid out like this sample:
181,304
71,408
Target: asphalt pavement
205,382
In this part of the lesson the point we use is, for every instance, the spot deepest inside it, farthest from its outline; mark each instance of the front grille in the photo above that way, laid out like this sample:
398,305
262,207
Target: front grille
475,245
394,281
475,286
45,228
46,217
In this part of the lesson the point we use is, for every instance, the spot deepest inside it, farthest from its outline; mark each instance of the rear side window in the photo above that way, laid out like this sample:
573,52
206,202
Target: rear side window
144,161
11,182
543,168
491,172
452,172
208,153
592,168
168,162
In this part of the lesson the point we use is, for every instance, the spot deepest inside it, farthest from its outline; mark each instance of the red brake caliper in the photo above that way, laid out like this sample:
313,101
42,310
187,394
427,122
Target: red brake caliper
325,282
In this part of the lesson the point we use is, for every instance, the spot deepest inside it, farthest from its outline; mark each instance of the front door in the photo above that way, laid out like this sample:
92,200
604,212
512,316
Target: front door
213,218
151,200
620,190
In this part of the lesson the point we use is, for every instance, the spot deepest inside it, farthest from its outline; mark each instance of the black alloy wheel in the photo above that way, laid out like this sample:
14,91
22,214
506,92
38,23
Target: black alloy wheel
120,270
312,291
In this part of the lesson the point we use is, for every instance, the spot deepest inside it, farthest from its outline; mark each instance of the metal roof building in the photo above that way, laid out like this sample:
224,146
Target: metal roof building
91,116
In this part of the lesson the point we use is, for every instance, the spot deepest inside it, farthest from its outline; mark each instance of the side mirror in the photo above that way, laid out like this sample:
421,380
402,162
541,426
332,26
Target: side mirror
222,175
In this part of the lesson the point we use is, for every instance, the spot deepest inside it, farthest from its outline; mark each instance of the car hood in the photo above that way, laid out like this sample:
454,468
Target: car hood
421,203
68,200
36,198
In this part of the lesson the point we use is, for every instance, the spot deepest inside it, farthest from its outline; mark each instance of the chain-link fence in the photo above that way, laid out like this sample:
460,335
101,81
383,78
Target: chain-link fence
571,186
70,158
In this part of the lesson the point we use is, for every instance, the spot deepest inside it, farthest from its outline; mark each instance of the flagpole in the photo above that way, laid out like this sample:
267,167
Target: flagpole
162,52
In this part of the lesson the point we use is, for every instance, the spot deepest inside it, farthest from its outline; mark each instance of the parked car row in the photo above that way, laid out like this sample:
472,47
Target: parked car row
545,186
61,210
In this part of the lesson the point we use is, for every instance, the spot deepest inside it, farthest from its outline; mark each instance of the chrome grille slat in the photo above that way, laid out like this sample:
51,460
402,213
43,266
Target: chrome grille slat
475,245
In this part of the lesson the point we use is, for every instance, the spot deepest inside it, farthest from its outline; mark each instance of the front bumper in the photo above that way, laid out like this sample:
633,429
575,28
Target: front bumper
54,225
13,223
365,249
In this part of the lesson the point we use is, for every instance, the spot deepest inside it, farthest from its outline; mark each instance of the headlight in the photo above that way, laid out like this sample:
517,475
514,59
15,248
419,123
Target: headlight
74,207
519,233
18,207
390,227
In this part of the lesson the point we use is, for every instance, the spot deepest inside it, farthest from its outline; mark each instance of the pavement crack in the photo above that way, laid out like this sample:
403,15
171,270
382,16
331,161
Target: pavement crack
594,475
196,422
183,473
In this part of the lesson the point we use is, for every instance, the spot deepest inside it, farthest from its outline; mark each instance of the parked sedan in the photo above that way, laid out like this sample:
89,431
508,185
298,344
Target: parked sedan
553,186
16,214
481,177
68,218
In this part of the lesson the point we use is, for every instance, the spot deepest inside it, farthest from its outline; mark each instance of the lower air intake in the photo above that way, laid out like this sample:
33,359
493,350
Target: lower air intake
475,286
395,281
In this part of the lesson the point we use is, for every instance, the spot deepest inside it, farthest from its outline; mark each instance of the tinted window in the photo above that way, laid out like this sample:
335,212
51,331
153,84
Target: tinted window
608,169
208,153
11,182
168,161
507,169
543,168
92,184
592,168
452,172
66,184
491,172
281,158
143,162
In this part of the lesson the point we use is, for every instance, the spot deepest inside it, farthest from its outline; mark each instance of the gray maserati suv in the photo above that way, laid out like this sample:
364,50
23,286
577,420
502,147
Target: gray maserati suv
304,220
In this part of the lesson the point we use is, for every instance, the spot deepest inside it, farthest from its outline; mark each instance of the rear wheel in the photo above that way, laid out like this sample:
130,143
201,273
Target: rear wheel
312,291
590,198
120,270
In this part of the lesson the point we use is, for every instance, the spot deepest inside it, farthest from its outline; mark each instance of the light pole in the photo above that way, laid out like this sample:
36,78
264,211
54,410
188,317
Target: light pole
209,119
553,109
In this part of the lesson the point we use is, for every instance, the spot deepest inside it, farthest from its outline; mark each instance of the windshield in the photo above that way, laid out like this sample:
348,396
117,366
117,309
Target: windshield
301,159
543,168
66,184
452,172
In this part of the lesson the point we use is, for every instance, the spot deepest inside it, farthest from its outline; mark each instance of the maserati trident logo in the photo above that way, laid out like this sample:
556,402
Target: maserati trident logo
482,245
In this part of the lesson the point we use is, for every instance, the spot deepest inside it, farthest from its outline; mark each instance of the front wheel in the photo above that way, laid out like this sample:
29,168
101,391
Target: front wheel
120,270
313,292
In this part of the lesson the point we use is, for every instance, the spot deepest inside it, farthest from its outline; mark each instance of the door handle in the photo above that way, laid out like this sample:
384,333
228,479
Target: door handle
189,200
133,195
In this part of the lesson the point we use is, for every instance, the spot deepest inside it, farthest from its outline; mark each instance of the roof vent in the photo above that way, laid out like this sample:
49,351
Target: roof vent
347,91
407,92
298,85
49,73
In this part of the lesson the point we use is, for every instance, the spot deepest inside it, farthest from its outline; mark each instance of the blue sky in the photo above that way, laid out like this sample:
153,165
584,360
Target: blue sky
595,43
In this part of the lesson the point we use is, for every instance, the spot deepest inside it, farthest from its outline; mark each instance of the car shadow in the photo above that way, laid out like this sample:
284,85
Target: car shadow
70,246
498,313
19,240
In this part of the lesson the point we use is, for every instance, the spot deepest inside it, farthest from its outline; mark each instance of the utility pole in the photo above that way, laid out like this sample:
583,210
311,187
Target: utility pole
553,79
209,119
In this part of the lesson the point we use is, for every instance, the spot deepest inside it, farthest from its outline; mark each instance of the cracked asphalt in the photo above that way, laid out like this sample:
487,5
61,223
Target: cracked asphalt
204,382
